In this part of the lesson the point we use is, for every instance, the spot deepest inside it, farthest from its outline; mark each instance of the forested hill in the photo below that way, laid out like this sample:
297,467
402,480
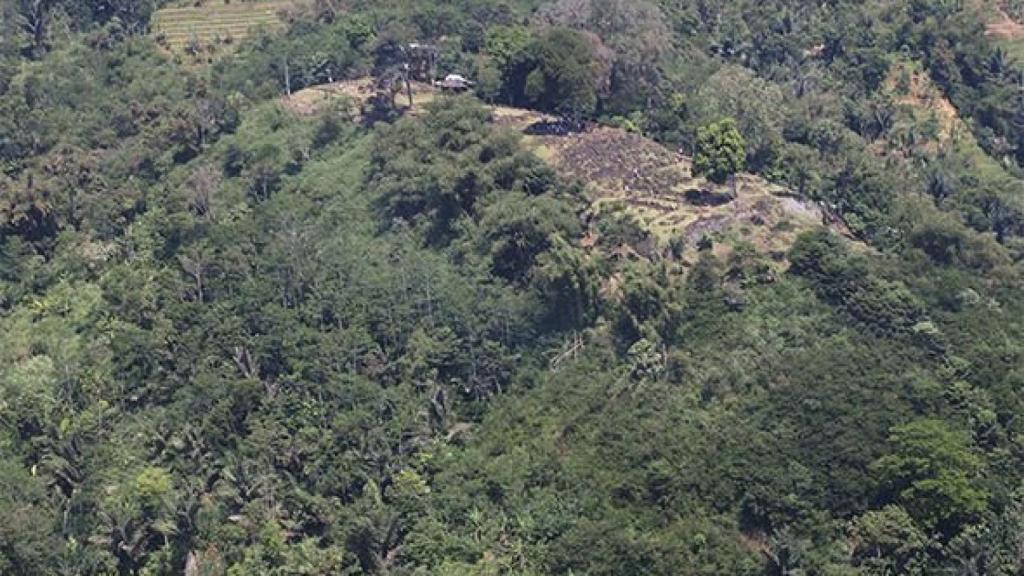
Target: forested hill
242,336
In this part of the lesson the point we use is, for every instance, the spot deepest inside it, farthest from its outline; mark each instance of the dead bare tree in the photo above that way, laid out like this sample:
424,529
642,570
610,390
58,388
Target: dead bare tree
34,20
202,186
195,264
245,364
287,78
569,350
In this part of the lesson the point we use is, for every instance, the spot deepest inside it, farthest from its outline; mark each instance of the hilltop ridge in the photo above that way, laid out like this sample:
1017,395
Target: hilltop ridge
625,171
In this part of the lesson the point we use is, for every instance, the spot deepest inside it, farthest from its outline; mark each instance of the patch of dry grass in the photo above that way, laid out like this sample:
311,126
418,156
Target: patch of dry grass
312,100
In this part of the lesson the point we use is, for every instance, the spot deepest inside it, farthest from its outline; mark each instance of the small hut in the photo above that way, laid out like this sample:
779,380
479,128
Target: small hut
454,83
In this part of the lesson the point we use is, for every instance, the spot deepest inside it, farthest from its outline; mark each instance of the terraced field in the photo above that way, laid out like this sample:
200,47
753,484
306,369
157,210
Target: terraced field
214,24
657,186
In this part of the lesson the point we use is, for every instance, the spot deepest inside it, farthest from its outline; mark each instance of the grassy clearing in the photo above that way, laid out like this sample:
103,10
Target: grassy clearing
214,25
355,93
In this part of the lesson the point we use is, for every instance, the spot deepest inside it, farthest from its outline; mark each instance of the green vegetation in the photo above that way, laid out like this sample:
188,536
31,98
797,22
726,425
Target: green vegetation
365,339
720,151
559,74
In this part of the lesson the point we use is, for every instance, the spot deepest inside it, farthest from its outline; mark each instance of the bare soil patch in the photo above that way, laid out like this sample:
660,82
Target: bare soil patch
1004,26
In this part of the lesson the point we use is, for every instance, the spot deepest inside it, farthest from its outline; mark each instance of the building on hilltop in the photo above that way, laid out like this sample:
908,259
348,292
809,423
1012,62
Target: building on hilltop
454,83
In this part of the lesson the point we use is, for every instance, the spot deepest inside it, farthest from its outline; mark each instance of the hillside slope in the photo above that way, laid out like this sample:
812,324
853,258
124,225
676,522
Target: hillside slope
626,171
241,334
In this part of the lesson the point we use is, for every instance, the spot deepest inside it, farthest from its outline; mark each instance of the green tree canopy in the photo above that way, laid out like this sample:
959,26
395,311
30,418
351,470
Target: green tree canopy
720,151
559,73
932,471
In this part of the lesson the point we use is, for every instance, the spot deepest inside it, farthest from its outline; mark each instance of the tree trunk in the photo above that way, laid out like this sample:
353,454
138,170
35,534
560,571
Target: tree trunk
287,79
